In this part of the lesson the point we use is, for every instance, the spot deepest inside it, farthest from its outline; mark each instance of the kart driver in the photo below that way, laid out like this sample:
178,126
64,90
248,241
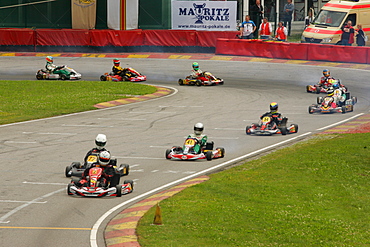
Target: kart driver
108,169
196,72
337,94
55,69
198,134
276,117
325,81
118,70
100,142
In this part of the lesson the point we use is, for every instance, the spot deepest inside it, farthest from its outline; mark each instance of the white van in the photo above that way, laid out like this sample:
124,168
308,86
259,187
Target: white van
326,27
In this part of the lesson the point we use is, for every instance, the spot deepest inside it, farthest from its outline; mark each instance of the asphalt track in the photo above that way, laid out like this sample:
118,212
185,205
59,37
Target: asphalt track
34,207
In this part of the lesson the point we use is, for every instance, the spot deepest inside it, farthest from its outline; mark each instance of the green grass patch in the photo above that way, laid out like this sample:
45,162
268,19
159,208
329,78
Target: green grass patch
27,100
314,193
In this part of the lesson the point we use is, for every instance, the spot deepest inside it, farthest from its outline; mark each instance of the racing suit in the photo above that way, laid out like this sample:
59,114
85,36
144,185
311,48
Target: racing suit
325,82
118,70
202,140
109,172
276,118
56,69
195,74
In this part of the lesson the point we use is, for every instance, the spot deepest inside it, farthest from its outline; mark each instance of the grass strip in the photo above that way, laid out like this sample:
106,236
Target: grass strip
314,193
27,100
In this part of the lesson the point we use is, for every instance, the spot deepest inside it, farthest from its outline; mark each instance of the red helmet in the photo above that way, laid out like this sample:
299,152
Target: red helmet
116,61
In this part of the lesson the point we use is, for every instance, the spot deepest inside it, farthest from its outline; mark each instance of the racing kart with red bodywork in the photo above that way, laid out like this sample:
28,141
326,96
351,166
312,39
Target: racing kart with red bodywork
204,79
96,185
266,127
324,89
328,105
187,151
43,74
130,75
76,169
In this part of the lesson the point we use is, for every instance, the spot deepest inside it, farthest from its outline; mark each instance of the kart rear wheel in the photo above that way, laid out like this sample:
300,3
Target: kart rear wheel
168,151
68,169
222,151
125,169
39,77
181,82
247,130
118,190
318,90
209,155
198,83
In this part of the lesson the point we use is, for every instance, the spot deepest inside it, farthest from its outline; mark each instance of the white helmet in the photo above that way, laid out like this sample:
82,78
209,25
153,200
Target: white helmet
100,141
198,128
104,158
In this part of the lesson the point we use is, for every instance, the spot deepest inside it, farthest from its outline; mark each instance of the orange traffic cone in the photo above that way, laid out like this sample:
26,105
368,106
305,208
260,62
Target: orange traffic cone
158,216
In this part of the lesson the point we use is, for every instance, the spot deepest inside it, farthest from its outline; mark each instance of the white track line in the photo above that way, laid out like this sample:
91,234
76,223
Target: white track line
343,121
94,230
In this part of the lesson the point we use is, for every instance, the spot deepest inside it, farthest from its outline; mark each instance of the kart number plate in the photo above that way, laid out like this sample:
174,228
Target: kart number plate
190,142
266,119
92,158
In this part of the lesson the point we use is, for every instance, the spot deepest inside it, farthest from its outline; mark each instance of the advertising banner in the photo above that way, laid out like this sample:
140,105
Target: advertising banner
206,15
123,14
83,14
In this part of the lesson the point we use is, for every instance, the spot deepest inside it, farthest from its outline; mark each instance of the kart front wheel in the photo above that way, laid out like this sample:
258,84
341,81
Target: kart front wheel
39,77
343,109
209,155
118,190
222,152
103,78
198,83
295,128
283,131
168,151
69,189
131,182
63,77
181,82
310,110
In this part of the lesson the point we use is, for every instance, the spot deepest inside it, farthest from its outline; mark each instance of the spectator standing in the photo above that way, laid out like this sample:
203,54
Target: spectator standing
288,12
247,28
348,33
265,29
360,37
281,32
257,12
308,19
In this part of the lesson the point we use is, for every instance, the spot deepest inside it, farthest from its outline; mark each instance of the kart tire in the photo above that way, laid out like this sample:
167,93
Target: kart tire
222,151
129,181
354,100
69,189
39,77
247,130
295,127
318,90
125,170
308,89
103,78
222,82
168,151
198,83
283,131
63,77
343,109
68,169
319,100
126,78
118,190
310,110
209,155
181,82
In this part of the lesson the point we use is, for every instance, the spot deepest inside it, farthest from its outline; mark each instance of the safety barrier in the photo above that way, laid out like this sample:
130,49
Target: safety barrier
223,43
299,51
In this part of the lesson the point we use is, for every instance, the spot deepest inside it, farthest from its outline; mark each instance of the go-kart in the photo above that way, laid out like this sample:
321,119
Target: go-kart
187,151
76,169
324,89
96,185
43,74
204,79
131,75
265,127
328,105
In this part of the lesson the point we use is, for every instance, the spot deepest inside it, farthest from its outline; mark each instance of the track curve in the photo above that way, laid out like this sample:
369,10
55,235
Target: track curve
35,209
